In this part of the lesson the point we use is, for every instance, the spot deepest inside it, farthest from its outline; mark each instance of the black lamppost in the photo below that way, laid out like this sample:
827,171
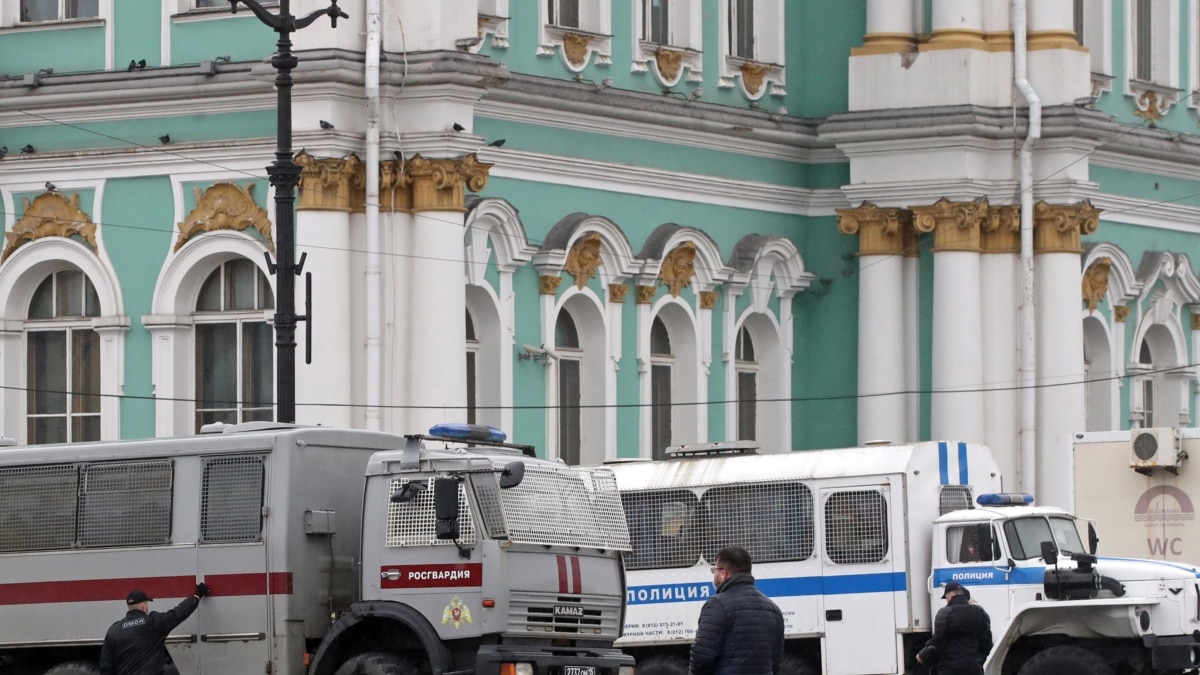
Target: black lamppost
285,176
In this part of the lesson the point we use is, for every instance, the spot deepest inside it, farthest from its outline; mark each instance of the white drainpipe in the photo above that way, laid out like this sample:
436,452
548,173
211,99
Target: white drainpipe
1027,468
373,371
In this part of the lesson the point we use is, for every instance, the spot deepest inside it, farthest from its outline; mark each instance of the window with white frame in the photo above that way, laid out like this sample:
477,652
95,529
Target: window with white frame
669,34
58,10
1143,40
656,21
747,385
570,389
563,13
472,359
741,29
62,361
1147,385
579,30
752,42
235,369
662,361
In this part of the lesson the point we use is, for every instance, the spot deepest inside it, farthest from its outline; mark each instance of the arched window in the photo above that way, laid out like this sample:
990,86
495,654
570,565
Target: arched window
235,367
570,391
63,361
662,360
747,386
1146,358
472,358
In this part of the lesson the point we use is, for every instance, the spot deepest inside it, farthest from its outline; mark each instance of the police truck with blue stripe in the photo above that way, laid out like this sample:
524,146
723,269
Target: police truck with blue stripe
855,545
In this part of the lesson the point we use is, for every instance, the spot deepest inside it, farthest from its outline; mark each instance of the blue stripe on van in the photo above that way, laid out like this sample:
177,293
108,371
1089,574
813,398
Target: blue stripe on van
985,575
885,582
962,464
943,463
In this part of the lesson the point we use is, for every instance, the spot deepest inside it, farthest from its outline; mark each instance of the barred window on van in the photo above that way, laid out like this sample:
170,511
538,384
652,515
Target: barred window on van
231,501
772,521
37,507
125,503
664,529
954,498
856,527
413,523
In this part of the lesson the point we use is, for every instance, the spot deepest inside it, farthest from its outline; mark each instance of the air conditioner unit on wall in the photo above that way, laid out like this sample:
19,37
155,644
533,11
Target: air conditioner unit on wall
1150,448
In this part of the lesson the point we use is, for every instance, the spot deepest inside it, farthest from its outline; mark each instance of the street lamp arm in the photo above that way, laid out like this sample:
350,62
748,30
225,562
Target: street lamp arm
333,12
273,21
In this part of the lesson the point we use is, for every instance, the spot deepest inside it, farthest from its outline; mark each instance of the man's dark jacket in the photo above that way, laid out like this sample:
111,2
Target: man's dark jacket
962,637
740,632
135,645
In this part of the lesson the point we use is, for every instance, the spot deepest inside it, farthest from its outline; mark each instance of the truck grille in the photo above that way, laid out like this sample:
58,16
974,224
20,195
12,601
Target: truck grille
531,612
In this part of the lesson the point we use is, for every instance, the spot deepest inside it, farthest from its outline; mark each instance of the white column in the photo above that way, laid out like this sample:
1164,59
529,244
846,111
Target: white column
1051,16
957,17
111,331
882,347
996,17
890,24
957,399
399,298
324,236
437,364
1000,366
1060,395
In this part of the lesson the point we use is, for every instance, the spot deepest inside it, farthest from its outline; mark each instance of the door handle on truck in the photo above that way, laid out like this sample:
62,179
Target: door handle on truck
833,615
233,637
390,575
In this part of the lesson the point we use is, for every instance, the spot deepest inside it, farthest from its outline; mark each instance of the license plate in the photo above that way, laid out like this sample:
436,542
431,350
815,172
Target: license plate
579,670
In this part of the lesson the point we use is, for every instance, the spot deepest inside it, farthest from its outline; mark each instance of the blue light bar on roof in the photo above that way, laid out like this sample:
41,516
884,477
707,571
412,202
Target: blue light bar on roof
1004,499
468,432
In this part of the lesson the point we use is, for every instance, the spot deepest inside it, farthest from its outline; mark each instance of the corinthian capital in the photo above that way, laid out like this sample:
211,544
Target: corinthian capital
881,231
1058,228
955,225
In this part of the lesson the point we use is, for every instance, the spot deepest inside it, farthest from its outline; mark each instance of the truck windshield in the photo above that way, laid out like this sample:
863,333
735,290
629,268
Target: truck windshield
556,505
1025,536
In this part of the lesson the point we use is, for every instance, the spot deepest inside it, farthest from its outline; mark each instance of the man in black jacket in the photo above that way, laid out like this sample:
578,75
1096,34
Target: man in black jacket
136,645
962,635
740,630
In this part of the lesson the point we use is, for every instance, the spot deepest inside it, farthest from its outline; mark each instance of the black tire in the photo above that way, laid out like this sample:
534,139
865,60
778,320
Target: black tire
1065,660
378,663
74,668
662,664
794,665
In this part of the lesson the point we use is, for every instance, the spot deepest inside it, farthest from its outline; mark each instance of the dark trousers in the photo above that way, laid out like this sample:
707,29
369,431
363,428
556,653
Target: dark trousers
959,670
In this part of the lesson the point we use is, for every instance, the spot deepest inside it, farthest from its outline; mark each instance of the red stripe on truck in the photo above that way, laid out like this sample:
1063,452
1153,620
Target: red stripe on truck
100,590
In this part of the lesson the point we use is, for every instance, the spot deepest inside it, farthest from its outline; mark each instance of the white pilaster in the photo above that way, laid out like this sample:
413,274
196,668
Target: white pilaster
1000,363
881,349
12,353
1051,15
111,331
324,387
171,358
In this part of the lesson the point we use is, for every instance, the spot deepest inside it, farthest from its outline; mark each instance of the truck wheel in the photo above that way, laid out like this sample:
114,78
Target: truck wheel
794,665
662,665
74,668
377,663
1065,660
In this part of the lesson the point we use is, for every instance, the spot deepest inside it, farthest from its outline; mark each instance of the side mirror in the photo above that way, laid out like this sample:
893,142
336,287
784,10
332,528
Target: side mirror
408,492
1049,552
445,507
512,475
1093,540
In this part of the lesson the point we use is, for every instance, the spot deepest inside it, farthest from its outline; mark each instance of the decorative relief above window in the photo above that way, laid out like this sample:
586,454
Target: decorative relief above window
50,215
1152,56
579,30
225,206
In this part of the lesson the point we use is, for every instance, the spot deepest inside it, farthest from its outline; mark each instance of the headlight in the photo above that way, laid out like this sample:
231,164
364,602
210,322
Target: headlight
524,669
625,670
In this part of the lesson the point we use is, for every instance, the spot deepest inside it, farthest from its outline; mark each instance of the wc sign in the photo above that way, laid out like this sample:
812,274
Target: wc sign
1164,510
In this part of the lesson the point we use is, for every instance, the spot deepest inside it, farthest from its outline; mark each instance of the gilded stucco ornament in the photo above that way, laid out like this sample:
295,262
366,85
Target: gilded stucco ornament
1195,321
1057,228
669,62
328,184
439,184
1120,313
1002,230
617,292
753,75
881,231
645,295
708,299
1095,282
548,284
1151,107
678,268
575,48
50,214
584,259
225,206
956,225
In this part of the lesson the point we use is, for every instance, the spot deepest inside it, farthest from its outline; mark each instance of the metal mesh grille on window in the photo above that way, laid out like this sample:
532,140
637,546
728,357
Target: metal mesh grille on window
413,523
664,529
772,521
567,506
856,527
954,498
487,498
37,507
125,503
232,500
